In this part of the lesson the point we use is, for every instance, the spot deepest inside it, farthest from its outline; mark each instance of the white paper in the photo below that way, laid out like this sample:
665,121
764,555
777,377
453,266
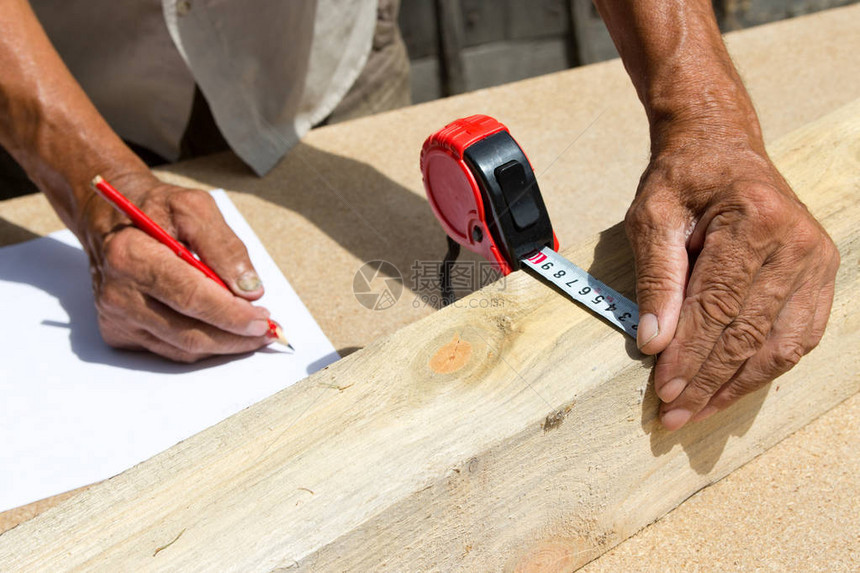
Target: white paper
74,411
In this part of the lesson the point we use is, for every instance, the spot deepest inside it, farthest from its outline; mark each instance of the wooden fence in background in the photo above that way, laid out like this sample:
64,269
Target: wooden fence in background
457,46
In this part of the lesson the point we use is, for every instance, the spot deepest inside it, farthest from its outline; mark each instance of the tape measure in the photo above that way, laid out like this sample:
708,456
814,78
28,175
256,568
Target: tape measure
484,192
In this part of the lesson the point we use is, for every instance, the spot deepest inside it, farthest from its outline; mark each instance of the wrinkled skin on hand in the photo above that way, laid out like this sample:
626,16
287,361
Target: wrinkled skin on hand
738,273
148,298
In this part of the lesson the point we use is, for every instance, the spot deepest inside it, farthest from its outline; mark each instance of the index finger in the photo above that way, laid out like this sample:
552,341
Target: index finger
159,273
198,221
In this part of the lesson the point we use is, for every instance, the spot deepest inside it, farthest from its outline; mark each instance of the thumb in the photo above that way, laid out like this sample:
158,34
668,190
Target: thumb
659,250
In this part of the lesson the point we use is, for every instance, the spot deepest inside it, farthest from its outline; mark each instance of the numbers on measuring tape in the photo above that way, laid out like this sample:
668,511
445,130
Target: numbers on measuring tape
585,289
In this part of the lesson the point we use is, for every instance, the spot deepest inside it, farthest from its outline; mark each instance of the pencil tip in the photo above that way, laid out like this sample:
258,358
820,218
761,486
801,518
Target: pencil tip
96,180
278,334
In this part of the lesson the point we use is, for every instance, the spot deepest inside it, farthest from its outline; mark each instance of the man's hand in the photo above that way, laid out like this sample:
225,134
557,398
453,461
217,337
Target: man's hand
735,278
148,298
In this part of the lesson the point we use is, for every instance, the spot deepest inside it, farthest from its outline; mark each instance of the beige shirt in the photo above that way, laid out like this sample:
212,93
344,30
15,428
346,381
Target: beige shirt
269,69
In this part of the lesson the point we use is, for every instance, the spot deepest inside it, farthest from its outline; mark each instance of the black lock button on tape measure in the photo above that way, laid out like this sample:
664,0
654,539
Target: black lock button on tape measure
484,192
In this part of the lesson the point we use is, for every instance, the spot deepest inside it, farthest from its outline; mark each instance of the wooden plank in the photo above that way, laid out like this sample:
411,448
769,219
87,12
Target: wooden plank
12,517
417,21
593,42
531,19
505,62
425,80
518,434
484,21
450,26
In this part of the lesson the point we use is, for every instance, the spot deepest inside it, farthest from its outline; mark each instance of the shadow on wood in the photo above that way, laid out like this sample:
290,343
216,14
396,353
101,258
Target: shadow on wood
367,213
10,233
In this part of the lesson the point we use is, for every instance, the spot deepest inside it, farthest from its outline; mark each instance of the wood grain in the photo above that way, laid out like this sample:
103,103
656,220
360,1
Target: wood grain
538,452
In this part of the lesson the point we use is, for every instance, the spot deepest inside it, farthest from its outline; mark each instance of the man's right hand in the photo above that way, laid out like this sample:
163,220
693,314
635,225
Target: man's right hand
148,298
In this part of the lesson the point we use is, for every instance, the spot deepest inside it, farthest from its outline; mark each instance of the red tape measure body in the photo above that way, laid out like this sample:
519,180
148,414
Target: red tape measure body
480,221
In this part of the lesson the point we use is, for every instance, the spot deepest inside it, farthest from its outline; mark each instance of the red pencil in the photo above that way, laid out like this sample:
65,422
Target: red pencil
142,221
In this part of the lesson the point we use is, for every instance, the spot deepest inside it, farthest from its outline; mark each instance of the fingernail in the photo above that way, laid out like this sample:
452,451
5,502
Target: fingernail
257,328
674,419
648,329
706,413
672,389
249,281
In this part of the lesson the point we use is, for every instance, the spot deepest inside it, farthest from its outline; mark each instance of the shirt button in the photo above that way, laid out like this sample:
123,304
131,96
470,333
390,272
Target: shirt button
183,7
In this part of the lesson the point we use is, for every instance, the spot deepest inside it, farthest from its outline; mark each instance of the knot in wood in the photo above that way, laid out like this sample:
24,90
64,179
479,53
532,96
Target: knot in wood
452,356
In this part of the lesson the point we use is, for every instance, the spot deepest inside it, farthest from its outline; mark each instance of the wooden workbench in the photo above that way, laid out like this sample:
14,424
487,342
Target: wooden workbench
352,193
